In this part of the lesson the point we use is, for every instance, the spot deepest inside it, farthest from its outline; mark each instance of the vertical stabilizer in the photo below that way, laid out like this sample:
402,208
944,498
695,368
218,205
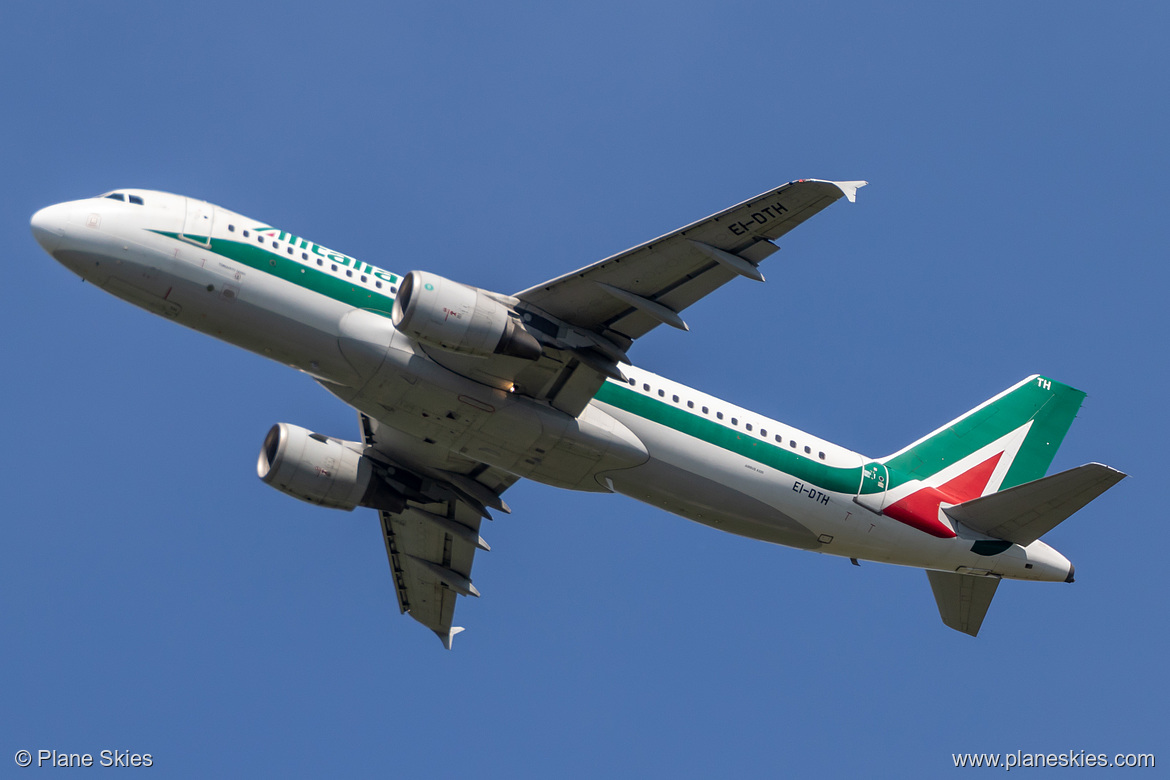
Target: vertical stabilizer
1006,441
1026,423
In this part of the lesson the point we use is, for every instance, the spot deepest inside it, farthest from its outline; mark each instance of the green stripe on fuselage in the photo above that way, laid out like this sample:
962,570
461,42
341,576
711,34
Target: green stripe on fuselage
821,475
311,278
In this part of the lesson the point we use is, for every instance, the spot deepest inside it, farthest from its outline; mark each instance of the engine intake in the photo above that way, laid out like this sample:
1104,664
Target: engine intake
459,318
322,470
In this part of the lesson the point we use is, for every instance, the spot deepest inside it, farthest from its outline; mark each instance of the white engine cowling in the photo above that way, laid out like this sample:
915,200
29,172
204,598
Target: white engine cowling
459,318
319,469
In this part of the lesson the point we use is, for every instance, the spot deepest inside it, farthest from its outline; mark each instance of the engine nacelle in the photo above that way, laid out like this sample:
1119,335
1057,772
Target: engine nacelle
322,471
459,318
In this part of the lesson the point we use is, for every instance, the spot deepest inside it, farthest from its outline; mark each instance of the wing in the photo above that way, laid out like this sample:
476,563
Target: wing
589,318
431,542
626,295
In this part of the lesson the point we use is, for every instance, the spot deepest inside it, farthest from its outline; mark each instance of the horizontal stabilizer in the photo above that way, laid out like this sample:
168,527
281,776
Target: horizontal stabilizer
1026,512
962,599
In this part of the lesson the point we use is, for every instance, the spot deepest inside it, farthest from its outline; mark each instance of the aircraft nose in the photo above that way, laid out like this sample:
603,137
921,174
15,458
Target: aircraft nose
48,226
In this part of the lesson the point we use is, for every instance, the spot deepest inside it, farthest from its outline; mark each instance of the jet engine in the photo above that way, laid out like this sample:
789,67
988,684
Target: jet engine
322,470
459,318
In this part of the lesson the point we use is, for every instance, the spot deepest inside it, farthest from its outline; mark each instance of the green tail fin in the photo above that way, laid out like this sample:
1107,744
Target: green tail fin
1049,407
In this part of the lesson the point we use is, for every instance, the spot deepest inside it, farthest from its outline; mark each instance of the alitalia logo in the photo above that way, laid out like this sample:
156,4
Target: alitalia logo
326,254
306,264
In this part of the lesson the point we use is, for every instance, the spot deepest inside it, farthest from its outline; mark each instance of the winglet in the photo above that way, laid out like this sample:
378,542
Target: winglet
449,636
850,188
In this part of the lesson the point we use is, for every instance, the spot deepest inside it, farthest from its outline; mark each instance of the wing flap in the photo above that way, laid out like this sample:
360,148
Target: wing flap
1026,512
963,599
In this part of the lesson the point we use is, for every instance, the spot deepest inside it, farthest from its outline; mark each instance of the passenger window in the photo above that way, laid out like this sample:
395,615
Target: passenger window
748,426
349,273
363,280
304,255
662,394
705,411
332,267
379,286
690,404
779,438
632,380
393,290
763,433
674,398
734,421
646,388
320,262
245,234
821,455
290,250
792,444
719,415
231,228
259,239
808,450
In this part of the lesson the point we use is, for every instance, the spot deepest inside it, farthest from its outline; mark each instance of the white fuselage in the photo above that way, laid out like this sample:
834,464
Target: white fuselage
652,439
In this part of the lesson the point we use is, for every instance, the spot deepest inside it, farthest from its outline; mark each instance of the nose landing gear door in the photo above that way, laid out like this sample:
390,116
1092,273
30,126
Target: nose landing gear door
197,224
872,492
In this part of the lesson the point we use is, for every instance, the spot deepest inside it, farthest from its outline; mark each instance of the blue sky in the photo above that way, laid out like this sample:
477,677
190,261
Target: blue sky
159,598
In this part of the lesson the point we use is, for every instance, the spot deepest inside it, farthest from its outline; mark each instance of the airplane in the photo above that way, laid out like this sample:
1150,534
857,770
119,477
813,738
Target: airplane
461,391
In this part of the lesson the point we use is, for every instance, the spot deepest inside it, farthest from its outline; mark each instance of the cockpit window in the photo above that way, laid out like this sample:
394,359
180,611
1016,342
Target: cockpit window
135,199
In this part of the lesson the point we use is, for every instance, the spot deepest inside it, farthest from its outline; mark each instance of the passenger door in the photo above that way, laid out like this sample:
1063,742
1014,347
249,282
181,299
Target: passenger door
198,222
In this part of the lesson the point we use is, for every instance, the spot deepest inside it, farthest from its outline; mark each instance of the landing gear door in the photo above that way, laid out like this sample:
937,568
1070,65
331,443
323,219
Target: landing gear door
874,480
197,224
